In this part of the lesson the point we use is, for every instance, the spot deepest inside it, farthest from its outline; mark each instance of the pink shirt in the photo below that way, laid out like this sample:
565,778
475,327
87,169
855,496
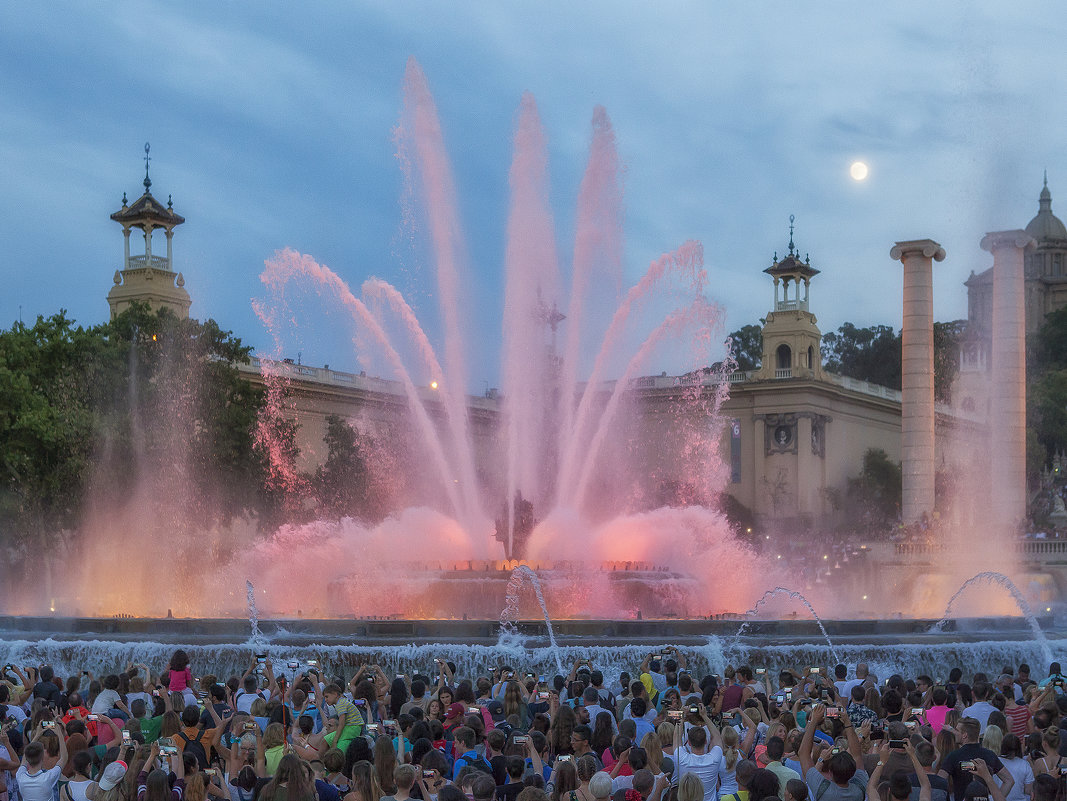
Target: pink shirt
179,681
935,716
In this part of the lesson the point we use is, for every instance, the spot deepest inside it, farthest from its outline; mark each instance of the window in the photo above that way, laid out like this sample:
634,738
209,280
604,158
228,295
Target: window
785,357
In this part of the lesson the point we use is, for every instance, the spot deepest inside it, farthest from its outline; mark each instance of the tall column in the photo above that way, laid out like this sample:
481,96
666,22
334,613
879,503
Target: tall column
1008,402
170,251
917,379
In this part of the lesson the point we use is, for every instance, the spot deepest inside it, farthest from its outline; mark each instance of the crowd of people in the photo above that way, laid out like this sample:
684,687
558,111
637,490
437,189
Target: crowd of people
658,733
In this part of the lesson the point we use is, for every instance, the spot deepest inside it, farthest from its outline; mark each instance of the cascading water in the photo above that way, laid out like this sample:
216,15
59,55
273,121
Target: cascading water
1000,580
793,595
510,614
253,613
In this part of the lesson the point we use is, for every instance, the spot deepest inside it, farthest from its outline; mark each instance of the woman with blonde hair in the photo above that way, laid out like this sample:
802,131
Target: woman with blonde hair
992,738
690,788
665,734
365,786
273,746
731,755
515,704
650,742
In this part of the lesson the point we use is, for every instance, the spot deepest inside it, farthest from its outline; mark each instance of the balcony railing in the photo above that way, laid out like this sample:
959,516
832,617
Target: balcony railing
783,372
791,305
156,262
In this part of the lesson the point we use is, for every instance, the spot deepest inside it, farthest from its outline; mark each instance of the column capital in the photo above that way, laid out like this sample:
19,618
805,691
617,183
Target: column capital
1017,238
928,248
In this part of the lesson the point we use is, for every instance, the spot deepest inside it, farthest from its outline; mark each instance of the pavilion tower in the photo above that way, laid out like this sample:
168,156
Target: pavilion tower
791,339
148,278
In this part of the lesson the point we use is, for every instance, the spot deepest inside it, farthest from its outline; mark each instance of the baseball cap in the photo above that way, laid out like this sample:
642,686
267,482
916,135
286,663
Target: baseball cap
456,710
496,710
112,775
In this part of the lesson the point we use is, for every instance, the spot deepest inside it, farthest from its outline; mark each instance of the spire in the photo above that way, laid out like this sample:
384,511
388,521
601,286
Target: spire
791,245
1045,199
147,158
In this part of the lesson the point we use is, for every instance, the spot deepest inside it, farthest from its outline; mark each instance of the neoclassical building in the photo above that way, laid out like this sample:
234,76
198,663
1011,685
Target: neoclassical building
794,432
1045,270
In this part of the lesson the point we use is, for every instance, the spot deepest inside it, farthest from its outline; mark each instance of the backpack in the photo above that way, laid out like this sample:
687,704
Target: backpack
196,748
477,762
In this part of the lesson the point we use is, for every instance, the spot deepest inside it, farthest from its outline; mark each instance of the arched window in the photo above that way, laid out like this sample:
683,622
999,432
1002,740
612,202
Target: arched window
785,357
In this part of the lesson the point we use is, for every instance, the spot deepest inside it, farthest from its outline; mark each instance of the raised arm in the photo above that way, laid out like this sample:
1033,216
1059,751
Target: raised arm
920,772
804,754
750,733
999,792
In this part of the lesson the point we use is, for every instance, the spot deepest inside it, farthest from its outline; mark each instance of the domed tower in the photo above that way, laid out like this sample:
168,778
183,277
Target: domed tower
145,277
1046,265
791,339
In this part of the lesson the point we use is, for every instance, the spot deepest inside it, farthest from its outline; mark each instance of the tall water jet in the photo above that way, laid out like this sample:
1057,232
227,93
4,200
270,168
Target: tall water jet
253,612
530,292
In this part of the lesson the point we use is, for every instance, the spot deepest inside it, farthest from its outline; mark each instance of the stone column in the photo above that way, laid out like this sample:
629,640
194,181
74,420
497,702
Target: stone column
1007,414
917,379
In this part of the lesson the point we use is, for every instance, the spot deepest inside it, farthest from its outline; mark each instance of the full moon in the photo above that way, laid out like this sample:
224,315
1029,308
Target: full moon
858,171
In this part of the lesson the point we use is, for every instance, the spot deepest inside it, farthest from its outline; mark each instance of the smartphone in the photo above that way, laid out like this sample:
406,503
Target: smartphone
542,679
761,671
400,675
168,750
833,712
210,772
9,724
911,724
788,695
359,702
372,727
261,658
48,724
877,734
93,717
813,671
695,710
389,724
902,743
313,663
529,675
967,765
474,710
292,664
427,774
127,739
664,653
674,714
564,758
250,726
542,696
521,739
916,711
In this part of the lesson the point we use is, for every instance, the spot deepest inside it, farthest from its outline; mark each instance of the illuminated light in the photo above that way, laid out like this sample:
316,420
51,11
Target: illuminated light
825,556
858,171
749,531
154,338
1048,608
433,385
779,556
865,597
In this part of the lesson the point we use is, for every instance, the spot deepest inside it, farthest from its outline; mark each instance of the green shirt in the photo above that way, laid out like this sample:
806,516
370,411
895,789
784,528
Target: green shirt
150,728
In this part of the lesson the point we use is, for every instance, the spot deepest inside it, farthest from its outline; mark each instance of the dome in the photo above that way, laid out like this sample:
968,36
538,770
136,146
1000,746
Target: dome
1046,225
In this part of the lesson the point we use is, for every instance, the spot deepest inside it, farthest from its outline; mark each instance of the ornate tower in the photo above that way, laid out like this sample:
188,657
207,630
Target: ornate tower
148,278
791,339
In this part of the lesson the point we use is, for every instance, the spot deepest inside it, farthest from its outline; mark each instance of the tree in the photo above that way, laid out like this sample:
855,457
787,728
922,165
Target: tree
146,397
947,338
875,494
1047,391
747,346
342,481
868,354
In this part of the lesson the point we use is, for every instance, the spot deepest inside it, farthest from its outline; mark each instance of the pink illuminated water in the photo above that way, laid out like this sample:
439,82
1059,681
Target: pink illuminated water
572,445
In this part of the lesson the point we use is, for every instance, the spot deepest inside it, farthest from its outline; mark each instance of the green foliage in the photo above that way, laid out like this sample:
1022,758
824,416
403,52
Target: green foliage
869,354
1046,413
947,338
94,410
874,496
747,342
353,481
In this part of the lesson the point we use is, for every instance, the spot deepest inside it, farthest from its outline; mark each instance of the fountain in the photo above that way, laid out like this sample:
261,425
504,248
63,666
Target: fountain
509,614
793,595
1000,580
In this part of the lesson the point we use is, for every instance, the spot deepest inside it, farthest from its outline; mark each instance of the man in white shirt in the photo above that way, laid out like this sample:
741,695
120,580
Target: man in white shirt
35,783
699,756
981,709
591,702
